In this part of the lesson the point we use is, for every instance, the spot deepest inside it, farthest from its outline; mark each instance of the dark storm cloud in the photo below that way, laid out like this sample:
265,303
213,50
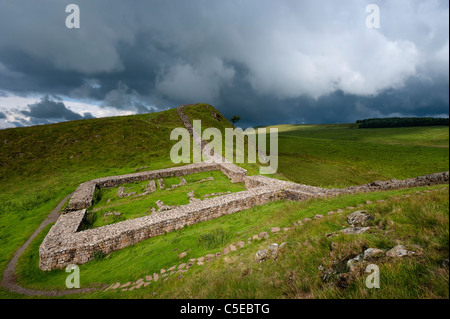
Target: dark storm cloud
2,115
284,61
41,112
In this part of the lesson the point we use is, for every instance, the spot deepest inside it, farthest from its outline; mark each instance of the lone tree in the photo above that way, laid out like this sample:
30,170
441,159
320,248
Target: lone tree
235,119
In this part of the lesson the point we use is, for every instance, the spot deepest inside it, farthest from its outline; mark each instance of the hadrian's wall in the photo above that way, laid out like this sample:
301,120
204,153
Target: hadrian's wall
84,194
64,245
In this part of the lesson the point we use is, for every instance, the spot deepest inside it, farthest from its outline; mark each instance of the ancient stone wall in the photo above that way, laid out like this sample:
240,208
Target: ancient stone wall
64,244
83,196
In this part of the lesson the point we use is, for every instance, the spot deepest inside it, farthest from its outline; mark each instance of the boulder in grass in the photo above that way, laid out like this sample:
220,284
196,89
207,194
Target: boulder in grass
400,251
354,230
360,218
261,255
372,253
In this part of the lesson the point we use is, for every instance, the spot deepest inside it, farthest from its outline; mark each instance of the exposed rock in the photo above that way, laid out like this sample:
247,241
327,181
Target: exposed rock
270,252
273,250
354,230
352,263
139,285
126,284
275,229
399,251
318,216
372,253
359,218
121,192
261,255
264,235
445,263
117,285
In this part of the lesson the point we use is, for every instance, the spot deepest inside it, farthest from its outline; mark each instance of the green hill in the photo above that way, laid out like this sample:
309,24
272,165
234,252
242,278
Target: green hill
40,165
342,155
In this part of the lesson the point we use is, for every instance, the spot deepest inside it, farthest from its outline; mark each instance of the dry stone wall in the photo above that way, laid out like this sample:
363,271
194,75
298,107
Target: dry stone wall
64,244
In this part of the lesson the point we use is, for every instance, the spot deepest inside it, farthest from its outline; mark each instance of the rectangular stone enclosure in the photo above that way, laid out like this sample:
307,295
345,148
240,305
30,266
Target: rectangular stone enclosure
65,244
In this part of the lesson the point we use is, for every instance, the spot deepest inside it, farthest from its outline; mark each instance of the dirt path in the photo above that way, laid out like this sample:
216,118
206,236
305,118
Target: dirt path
9,280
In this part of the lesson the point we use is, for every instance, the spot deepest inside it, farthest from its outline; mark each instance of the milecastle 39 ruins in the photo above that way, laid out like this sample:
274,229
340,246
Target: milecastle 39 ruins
65,244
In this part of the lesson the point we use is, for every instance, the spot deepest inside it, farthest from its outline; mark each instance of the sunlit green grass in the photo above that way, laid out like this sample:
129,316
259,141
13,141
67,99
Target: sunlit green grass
132,207
342,155
41,165
295,274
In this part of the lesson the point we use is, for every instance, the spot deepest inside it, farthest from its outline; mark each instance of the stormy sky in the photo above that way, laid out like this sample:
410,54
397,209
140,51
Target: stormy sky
269,62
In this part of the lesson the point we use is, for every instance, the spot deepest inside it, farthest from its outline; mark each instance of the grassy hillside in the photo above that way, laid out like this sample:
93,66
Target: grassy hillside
298,270
342,155
40,165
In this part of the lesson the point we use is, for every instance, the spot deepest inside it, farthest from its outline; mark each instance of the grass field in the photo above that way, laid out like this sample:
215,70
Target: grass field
342,155
295,274
40,165
130,207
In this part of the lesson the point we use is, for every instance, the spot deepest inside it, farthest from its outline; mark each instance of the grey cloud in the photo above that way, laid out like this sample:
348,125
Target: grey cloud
41,112
284,61
2,115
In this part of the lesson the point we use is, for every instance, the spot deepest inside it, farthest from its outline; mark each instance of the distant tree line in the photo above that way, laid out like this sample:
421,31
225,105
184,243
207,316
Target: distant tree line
402,122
